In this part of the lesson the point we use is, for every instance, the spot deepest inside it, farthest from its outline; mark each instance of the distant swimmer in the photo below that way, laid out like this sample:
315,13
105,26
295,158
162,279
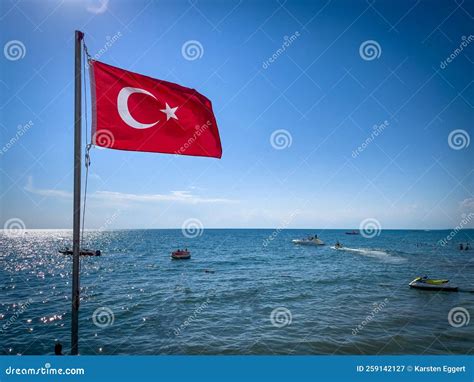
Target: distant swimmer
461,247
467,248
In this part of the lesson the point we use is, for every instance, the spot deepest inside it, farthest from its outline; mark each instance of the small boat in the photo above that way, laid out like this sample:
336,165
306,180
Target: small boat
352,233
432,284
312,241
181,254
82,252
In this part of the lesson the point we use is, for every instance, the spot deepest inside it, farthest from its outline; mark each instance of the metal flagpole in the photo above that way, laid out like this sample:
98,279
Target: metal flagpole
76,226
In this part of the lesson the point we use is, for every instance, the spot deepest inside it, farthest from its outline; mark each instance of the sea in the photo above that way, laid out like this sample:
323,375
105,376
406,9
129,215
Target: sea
244,291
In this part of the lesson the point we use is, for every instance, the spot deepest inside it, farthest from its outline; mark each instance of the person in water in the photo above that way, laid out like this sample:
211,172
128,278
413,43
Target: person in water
461,247
58,349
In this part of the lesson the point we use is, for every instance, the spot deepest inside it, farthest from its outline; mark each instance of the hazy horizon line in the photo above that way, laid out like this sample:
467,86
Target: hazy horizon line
246,228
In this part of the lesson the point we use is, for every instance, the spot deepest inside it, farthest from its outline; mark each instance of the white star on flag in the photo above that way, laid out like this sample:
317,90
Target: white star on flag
170,112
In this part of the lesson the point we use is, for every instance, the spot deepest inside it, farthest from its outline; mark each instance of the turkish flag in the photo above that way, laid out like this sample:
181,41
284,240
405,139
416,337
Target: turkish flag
138,113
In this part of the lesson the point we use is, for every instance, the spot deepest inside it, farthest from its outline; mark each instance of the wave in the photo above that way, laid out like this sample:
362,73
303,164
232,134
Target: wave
378,254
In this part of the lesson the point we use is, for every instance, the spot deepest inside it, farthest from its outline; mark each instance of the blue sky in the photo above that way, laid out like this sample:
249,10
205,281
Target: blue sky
321,89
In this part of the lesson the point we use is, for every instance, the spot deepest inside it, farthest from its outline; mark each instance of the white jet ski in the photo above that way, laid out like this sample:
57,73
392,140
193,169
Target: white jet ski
312,241
432,284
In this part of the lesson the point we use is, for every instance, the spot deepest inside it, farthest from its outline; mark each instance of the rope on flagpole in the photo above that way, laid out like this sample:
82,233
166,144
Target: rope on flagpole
87,160
86,51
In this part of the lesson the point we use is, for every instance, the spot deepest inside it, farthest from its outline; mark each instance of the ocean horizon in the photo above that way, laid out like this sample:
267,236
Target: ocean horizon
242,228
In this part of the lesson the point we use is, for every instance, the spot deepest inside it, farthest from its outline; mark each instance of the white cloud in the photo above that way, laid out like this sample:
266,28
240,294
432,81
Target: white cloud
174,196
467,204
112,196
97,6
46,192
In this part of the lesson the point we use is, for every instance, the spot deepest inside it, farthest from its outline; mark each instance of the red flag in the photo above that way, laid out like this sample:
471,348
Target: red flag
138,113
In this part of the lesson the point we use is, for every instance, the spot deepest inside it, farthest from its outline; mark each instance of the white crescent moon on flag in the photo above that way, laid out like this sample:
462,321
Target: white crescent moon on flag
122,107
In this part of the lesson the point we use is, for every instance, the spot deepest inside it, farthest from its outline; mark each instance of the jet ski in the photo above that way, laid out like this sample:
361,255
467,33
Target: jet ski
181,255
433,284
82,252
311,241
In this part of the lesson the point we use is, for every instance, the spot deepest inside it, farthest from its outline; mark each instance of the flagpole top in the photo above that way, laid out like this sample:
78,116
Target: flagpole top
79,35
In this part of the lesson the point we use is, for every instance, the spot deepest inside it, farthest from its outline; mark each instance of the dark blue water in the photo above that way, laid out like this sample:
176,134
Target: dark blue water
221,301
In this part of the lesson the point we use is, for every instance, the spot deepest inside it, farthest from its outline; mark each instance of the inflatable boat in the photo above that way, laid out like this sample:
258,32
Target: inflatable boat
181,255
